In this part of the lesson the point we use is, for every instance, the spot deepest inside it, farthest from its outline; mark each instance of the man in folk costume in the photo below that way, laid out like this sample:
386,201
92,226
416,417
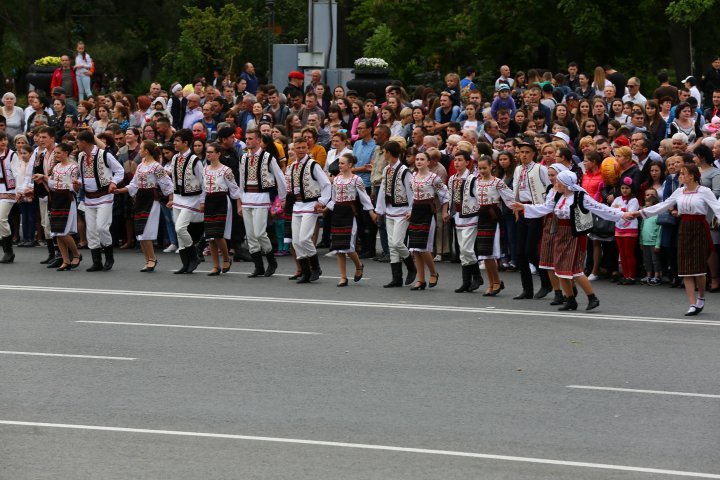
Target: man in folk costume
261,180
187,175
394,200
530,184
100,173
7,197
311,189
42,160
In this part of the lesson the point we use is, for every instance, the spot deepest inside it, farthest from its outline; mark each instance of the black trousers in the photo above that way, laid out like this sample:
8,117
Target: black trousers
528,239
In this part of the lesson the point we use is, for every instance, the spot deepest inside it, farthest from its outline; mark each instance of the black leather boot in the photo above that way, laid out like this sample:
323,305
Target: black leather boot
97,265
558,299
184,258
109,258
272,264
570,304
193,260
396,276
51,251
593,302
315,271
7,246
259,267
466,276
411,270
305,269
476,277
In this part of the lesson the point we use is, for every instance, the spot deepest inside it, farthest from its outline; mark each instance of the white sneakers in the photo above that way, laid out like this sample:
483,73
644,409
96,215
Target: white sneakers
172,248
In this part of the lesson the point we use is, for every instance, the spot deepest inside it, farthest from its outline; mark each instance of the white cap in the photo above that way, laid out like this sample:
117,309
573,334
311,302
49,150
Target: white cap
563,136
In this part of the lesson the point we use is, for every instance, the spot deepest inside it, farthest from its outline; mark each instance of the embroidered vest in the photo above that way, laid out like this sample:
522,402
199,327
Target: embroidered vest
100,169
6,171
535,184
395,194
186,183
41,160
261,173
466,205
304,185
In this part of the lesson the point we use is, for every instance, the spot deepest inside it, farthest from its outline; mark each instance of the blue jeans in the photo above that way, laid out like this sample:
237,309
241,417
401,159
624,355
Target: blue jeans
27,218
167,216
84,85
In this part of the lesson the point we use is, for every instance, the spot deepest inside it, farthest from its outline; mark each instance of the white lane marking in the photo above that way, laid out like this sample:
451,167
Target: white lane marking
363,446
274,274
633,390
40,354
347,303
200,327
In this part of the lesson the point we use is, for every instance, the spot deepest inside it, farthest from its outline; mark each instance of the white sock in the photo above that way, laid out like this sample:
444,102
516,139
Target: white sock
700,302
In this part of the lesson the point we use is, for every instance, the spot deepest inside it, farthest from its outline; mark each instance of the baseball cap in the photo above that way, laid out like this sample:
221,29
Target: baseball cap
503,86
59,91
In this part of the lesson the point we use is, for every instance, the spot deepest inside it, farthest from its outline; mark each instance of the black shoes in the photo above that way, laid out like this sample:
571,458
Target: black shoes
272,264
396,276
475,277
542,293
150,269
411,270
593,302
570,304
559,298
259,267
7,246
109,258
97,265
466,279
418,286
524,296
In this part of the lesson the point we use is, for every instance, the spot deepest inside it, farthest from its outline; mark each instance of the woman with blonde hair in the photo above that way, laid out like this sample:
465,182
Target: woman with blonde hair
600,82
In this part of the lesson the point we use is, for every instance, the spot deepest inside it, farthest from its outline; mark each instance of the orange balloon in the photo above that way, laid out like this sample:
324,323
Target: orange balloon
610,171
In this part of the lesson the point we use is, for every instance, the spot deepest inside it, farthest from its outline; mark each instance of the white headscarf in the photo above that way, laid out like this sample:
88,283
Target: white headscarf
569,179
558,167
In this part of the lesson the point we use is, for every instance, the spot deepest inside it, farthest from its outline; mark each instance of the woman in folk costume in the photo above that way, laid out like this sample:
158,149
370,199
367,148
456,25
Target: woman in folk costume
63,182
218,181
547,245
693,202
569,249
425,187
8,158
490,192
150,182
347,190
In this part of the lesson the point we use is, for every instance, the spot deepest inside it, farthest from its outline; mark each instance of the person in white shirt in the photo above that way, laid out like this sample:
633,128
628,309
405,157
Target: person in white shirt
311,190
260,178
186,171
690,83
634,95
100,173
83,72
7,196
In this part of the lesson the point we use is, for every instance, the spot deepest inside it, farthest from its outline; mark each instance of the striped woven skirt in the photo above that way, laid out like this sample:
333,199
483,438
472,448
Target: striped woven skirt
694,245
547,258
344,228
63,213
568,251
421,231
216,214
144,200
487,241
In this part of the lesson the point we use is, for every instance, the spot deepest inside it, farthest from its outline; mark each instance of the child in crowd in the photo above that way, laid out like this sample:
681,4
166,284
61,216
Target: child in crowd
650,243
503,100
626,231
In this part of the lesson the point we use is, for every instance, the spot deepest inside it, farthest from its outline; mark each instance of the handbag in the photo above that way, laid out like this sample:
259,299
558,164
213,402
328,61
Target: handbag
665,219
602,227
582,219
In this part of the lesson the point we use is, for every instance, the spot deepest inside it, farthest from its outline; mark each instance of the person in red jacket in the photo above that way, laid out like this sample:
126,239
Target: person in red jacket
64,77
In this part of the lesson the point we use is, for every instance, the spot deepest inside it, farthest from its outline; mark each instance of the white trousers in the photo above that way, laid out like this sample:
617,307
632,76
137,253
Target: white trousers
466,241
255,220
183,218
303,228
98,220
5,208
396,231
44,216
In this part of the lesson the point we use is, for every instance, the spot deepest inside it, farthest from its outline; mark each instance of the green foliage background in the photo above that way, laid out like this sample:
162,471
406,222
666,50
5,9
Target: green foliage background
174,40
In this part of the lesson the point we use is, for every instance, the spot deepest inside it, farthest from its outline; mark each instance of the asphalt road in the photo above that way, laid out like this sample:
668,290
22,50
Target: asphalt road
284,381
